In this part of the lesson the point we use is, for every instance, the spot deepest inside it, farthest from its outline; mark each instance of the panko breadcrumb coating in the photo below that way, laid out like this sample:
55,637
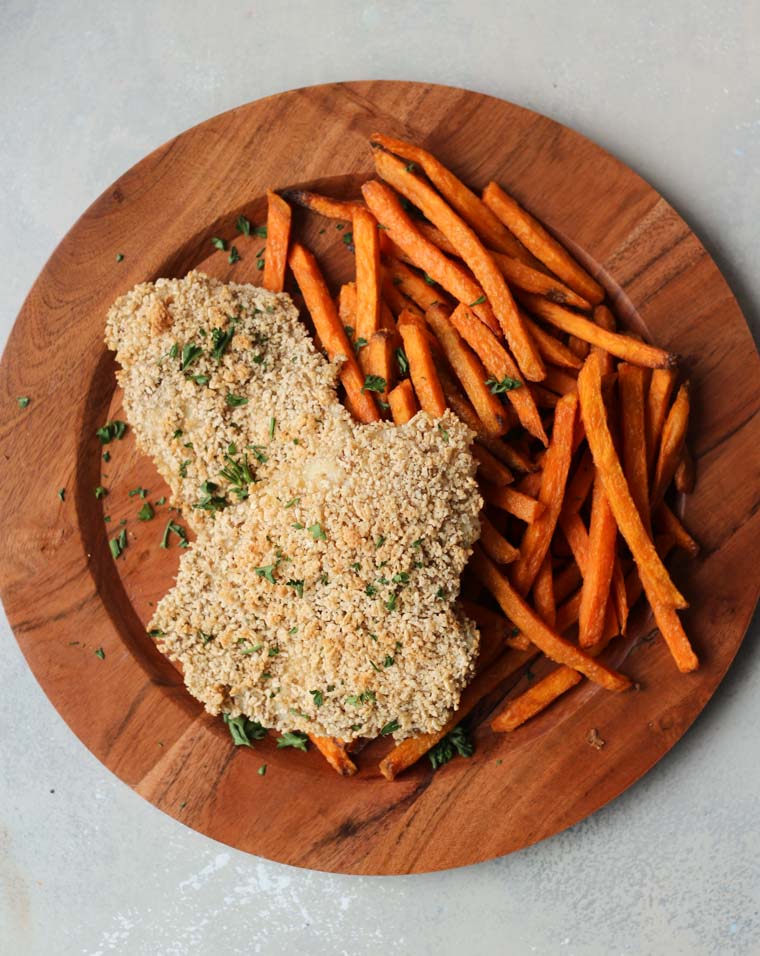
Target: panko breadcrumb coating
320,595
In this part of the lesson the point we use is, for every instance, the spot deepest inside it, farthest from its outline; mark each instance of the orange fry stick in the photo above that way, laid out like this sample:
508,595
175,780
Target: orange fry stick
543,592
579,485
278,237
530,484
334,752
524,617
597,575
347,308
494,626
520,505
413,286
622,346
330,330
672,525
409,751
469,206
578,346
496,545
655,578
671,444
490,468
685,476
400,228
560,381
565,582
424,377
380,360
576,536
474,254
403,403
538,535
632,382
535,699
323,205
661,388
502,369
523,277
551,349
469,371
544,247
395,298
367,245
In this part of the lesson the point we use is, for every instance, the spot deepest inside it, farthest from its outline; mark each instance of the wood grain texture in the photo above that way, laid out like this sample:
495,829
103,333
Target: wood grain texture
60,585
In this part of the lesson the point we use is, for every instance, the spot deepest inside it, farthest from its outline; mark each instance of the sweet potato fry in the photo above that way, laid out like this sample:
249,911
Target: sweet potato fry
474,254
395,298
578,346
671,524
542,397
501,368
278,237
560,381
543,592
496,545
409,751
655,578
538,535
490,468
424,377
671,444
330,330
605,320
494,626
576,536
468,370
367,245
565,582
685,476
323,205
535,699
579,484
523,277
403,403
413,286
400,228
520,505
632,382
674,635
661,387
347,308
622,346
380,360
530,484
544,247
524,617
597,575
551,349
335,753
469,206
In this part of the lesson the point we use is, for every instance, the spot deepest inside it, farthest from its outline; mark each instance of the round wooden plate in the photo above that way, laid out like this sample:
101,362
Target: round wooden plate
66,597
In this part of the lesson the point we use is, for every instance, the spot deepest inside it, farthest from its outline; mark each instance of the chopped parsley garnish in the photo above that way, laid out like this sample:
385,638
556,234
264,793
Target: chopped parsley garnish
359,344
365,697
348,238
100,653
209,501
444,434
146,512
355,566
199,380
190,353
262,770
62,494
238,474
272,425
234,255
173,528
142,492
429,279
295,739
390,604
374,666
258,454
319,697
119,256
440,594
315,530
505,385
183,468
205,638
402,361
106,456
293,630
401,578
479,301
379,542
221,340
243,730
23,401
455,742
370,590
273,651
391,727
111,431
243,225
324,579
260,264
298,526
118,544
297,586
266,572
251,650
178,433
218,243
161,500
389,661
235,401
374,383
411,167
417,544
260,231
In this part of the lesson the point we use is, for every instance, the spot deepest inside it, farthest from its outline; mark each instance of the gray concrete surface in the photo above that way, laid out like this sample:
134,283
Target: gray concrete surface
88,88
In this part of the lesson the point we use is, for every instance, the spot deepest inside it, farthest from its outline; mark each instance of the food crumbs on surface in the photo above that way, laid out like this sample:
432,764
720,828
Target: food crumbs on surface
595,739
243,225
119,256
100,653
62,494
23,401
218,243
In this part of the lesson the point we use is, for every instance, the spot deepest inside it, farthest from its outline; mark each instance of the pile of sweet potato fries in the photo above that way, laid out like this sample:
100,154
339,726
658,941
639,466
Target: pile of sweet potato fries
467,302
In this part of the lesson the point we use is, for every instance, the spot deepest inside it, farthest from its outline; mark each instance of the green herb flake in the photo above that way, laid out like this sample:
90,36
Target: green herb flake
100,653
243,730
444,434
402,361
429,279
390,604
479,301
317,533
235,401
379,542
260,231
272,426
106,456
218,243
391,727
374,383
173,528
23,401
262,770
370,590
260,264
190,354
243,225
119,256
266,572
161,500
348,238
440,594
62,494
111,431
455,742
507,384
295,739
234,255
388,661
297,586
411,167
145,513
366,697
183,468
319,697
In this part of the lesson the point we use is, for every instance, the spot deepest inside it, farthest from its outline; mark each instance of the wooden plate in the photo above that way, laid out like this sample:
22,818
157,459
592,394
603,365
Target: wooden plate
66,597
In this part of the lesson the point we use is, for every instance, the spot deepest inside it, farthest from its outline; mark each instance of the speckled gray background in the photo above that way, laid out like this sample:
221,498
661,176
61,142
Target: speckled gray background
86,89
